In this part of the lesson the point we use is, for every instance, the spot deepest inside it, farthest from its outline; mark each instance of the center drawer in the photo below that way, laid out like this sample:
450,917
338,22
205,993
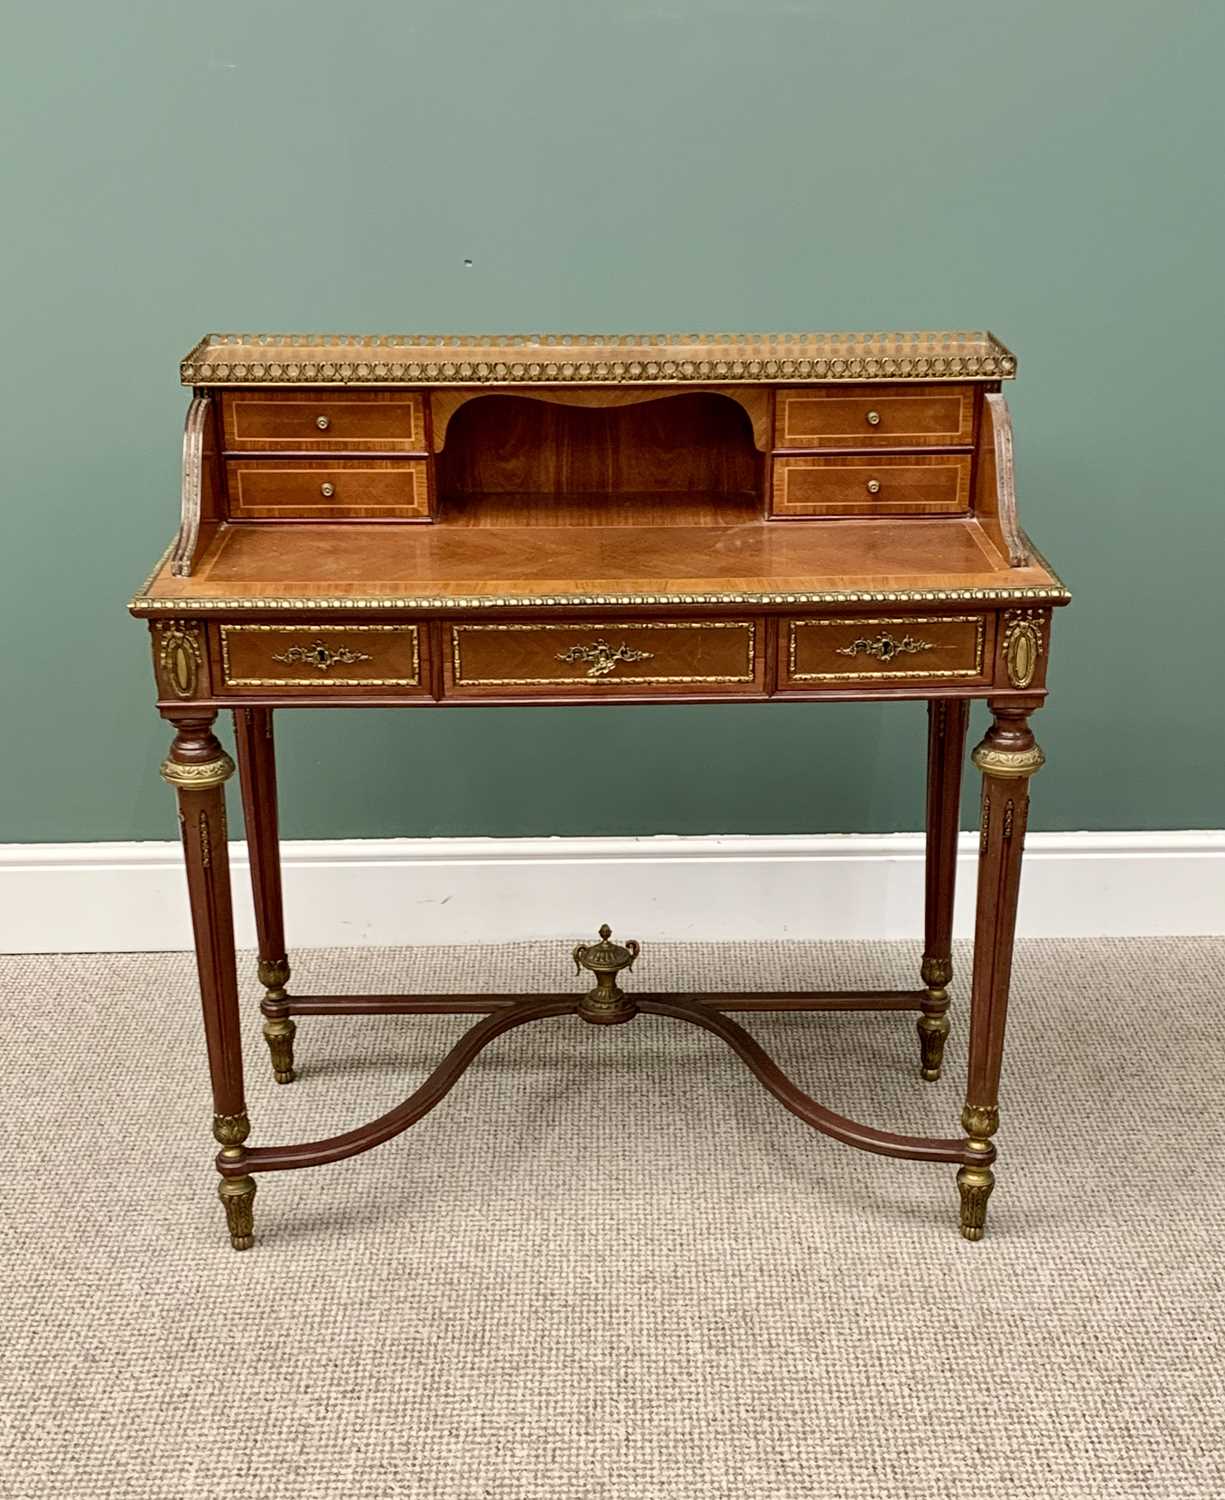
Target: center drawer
579,658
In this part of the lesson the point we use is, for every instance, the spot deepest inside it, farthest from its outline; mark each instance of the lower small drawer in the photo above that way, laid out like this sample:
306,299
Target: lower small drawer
296,659
573,659
839,653
263,489
919,484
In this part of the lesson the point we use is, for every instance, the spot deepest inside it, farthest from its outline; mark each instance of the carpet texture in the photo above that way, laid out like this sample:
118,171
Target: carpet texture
610,1266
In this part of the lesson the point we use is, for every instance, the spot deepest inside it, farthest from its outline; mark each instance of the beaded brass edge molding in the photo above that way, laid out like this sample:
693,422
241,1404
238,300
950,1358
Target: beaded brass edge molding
592,359
142,604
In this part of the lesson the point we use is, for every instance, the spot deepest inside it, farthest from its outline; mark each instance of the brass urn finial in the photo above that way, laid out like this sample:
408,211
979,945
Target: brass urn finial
606,1004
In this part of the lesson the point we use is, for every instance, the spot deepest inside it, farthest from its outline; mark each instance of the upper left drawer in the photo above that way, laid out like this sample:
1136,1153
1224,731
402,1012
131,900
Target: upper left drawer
323,422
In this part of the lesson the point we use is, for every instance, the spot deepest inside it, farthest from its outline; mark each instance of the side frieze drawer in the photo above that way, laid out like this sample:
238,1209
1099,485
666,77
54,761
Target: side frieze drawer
839,653
320,659
611,658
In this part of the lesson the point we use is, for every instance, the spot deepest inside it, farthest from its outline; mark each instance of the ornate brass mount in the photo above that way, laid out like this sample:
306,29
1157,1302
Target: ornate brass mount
884,647
320,656
602,657
606,1005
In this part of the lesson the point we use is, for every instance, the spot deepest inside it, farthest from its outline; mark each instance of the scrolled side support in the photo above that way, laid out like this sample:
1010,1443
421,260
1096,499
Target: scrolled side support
419,1103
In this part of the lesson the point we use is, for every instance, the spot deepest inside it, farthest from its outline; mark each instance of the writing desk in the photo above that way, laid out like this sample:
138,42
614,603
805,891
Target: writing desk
437,521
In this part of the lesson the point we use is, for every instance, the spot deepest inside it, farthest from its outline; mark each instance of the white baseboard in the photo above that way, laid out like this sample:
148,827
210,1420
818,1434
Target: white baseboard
131,897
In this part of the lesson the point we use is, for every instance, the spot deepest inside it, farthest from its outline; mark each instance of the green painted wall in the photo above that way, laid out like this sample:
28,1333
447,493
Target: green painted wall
1052,170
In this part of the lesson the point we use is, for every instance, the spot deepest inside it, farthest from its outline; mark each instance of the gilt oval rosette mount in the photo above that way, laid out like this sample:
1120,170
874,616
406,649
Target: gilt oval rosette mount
179,658
1022,646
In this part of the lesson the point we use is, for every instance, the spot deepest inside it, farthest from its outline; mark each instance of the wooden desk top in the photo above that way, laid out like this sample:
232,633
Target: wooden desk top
457,565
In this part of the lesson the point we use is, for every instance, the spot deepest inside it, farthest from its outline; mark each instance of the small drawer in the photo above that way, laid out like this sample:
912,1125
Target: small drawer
922,484
921,416
301,421
501,659
264,489
839,653
320,659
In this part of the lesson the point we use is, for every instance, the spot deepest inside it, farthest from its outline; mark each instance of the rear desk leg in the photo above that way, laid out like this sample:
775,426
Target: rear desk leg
257,776
946,738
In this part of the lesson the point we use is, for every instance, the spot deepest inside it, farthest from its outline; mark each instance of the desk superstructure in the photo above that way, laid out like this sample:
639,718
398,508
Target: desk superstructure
423,521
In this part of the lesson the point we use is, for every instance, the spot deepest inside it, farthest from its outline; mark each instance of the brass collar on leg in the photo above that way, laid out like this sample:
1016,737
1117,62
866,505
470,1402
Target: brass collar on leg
197,776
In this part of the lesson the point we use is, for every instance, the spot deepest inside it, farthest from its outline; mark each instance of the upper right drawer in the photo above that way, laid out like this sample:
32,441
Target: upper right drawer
875,416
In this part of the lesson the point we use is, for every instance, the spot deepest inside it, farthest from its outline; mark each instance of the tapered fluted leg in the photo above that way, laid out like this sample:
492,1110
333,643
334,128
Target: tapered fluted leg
1007,757
946,739
198,768
257,777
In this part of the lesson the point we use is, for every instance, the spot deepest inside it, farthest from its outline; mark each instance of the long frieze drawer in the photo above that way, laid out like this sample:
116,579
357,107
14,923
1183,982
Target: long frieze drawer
265,489
873,416
920,484
499,659
281,421
323,659
839,653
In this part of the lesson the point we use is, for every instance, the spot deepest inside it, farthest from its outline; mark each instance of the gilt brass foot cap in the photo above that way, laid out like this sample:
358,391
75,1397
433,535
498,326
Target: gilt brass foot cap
286,1076
237,1196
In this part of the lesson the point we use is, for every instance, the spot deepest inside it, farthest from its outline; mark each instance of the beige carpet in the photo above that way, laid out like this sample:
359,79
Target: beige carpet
609,1266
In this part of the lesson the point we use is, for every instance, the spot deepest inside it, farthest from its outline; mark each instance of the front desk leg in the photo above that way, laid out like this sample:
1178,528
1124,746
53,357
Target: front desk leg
257,777
946,742
1008,756
198,768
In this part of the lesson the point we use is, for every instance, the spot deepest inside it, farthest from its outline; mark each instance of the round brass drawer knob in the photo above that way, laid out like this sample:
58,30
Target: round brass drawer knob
874,419
323,423
873,486
327,490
